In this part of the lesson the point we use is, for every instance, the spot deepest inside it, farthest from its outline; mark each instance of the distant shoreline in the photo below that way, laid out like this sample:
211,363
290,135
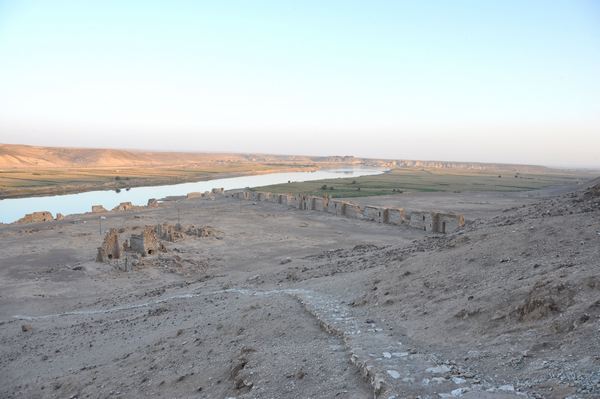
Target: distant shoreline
74,188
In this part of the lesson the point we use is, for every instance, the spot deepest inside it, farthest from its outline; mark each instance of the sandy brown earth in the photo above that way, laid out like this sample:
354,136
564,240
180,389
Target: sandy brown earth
300,304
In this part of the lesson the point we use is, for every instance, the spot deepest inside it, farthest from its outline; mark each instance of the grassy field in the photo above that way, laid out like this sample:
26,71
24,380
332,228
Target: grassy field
397,181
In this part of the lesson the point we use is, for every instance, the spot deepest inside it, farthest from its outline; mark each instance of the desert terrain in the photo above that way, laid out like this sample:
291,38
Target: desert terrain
275,302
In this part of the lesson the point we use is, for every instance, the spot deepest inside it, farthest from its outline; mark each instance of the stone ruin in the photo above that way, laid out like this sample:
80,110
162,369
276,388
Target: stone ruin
196,194
98,209
435,222
146,243
45,216
206,194
123,206
40,217
204,231
36,217
178,232
110,249
169,232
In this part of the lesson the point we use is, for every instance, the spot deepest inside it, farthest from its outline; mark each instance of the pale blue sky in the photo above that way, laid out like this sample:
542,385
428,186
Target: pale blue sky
497,81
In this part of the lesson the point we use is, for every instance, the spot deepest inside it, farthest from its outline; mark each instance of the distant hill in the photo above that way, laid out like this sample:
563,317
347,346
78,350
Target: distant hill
24,156
17,156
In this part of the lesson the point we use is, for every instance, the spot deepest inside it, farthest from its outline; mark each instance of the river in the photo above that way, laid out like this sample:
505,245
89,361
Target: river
13,209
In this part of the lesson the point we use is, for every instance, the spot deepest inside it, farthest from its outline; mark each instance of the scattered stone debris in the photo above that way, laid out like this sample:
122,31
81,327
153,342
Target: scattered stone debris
169,232
170,263
592,192
204,231
36,217
239,382
98,209
178,232
110,248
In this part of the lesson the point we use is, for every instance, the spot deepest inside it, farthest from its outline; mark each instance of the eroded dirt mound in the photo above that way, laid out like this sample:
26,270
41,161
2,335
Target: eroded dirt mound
206,231
170,263
593,191
544,299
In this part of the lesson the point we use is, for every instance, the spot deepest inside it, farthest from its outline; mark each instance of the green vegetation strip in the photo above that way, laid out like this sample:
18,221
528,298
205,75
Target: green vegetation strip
398,181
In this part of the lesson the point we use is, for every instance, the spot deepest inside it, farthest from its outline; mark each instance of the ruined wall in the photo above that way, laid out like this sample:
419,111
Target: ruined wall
353,211
36,217
420,220
395,216
292,200
98,209
282,199
374,213
261,196
145,243
307,202
123,206
448,222
110,248
319,204
336,207
243,195
435,222
332,206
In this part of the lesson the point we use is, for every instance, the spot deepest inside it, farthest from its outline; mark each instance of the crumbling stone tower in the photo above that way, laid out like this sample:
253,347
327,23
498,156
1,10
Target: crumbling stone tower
110,248
145,243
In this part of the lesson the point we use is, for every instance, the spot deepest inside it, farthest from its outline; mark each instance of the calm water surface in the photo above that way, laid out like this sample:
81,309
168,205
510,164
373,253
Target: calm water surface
14,208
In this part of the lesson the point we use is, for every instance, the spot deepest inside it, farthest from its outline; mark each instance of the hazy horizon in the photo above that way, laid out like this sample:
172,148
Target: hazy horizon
158,150
515,82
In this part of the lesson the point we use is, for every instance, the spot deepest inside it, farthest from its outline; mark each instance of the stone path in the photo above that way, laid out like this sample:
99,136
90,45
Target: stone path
393,369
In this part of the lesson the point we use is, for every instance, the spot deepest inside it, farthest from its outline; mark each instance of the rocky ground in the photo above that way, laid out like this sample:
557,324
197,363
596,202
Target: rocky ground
298,304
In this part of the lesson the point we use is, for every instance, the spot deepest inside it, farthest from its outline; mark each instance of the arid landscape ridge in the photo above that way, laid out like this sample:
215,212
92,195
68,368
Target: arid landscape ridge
19,156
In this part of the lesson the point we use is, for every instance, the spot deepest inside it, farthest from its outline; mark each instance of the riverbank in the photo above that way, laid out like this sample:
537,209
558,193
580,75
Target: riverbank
19,183
14,208
404,180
